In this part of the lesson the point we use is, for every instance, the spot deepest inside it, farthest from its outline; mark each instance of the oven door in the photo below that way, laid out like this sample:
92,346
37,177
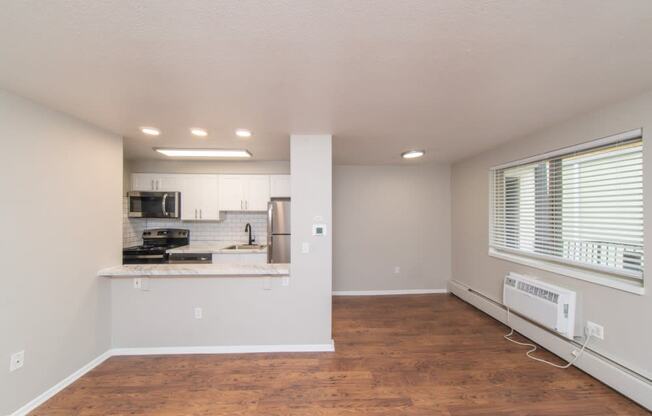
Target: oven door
154,204
145,259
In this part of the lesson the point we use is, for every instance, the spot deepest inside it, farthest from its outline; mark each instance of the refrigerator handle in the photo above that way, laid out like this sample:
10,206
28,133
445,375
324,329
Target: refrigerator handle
270,213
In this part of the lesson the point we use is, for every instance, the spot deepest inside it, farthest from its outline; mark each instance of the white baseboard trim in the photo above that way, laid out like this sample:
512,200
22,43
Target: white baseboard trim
387,292
625,381
218,349
225,349
46,395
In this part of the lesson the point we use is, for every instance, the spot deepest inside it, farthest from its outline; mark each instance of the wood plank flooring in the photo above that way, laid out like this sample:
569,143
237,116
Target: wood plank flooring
395,355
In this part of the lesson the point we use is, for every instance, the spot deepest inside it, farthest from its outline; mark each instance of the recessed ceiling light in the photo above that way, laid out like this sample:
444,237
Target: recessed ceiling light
243,133
204,152
198,132
411,154
151,131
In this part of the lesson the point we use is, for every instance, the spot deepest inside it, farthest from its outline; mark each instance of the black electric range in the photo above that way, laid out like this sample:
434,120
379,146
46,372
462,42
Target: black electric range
155,244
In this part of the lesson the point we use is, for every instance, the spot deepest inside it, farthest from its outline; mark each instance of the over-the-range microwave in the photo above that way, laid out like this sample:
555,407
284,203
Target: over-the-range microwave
154,204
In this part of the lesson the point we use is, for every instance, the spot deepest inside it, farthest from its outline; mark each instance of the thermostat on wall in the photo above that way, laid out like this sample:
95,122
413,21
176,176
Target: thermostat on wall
319,229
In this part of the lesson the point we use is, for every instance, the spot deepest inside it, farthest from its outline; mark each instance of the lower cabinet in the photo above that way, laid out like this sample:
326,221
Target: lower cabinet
240,258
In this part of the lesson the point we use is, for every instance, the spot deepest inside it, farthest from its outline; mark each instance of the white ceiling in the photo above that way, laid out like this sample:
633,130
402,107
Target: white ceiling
453,77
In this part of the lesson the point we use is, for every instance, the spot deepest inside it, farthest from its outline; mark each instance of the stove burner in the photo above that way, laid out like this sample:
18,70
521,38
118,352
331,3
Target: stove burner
155,244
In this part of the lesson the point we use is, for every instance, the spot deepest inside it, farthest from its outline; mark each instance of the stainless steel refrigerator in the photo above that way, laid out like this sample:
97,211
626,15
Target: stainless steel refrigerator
278,231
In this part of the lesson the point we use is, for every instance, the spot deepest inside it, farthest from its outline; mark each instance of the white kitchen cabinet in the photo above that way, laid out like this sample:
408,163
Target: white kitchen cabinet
240,258
155,182
231,192
279,186
199,193
143,182
199,197
256,192
170,183
243,192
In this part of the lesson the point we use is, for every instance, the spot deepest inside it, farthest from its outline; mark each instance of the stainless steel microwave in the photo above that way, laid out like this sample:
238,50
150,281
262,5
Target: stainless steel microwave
154,204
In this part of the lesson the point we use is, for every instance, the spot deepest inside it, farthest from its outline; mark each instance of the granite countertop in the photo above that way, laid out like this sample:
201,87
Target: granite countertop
224,270
215,247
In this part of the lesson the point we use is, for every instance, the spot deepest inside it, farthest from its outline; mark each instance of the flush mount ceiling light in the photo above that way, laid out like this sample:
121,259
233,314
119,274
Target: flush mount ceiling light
412,154
150,131
227,153
198,132
243,133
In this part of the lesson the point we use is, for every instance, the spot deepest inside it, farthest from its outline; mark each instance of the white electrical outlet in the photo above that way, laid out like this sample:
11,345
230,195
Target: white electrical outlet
198,313
138,283
285,281
305,248
17,360
397,270
596,331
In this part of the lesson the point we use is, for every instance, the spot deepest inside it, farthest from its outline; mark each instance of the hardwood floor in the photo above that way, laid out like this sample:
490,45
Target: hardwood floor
408,355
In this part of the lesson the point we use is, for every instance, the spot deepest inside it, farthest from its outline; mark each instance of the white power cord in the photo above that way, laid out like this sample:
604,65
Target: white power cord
534,348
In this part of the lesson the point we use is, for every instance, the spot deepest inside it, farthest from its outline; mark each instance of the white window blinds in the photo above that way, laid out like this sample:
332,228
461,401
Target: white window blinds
582,206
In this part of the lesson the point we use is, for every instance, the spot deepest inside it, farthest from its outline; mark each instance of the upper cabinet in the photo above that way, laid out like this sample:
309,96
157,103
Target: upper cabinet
199,198
231,192
155,182
279,186
204,196
244,192
144,182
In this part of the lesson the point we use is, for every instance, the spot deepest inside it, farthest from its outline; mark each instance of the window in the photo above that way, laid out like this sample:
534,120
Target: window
581,206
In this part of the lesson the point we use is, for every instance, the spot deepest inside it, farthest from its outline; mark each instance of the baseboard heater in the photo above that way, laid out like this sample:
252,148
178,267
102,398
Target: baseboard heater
549,305
633,384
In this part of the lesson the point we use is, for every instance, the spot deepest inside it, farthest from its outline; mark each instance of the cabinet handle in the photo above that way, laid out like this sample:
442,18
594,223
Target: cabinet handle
200,214
153,185
247,205
195,213
241,204
157,181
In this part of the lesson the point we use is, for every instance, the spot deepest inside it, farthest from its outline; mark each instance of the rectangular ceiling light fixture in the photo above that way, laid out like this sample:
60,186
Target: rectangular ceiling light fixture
204,152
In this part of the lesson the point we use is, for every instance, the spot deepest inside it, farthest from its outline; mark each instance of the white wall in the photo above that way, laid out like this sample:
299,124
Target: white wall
387,217
626,317
61,182
312,196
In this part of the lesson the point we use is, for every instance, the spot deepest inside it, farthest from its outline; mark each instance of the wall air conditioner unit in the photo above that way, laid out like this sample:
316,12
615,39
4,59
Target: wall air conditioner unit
549,305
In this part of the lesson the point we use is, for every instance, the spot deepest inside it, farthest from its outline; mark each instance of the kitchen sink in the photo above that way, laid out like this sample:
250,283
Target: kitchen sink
245,247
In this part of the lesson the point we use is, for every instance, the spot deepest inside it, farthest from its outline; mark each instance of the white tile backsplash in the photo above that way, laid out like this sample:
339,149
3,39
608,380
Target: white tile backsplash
231,228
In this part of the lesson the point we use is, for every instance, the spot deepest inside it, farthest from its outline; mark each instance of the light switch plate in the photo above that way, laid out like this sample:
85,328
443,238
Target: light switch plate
285,281
305,248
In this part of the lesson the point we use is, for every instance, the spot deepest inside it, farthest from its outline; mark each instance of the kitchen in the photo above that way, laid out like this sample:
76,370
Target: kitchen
218,232
207,218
